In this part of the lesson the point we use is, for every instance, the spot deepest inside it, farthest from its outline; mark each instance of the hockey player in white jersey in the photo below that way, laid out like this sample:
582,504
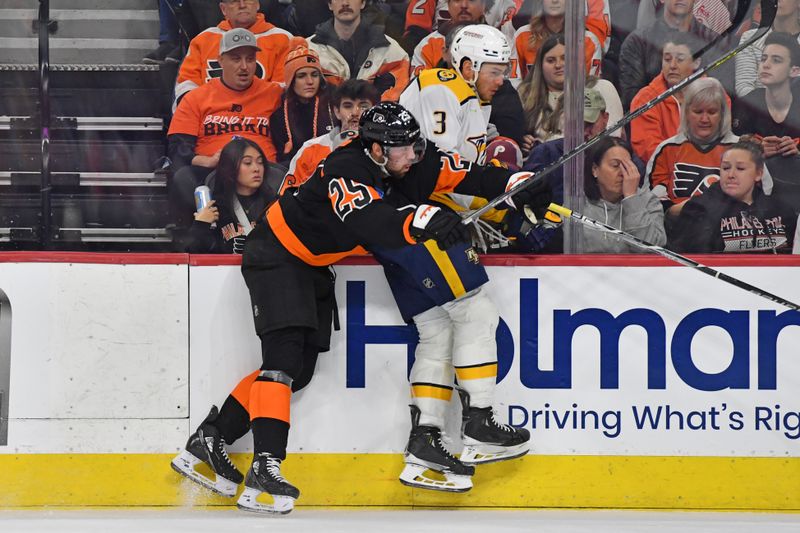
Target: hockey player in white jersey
453,104
457,332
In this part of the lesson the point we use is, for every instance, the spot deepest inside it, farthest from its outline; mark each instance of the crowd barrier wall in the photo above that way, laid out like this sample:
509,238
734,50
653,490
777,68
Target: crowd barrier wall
644,385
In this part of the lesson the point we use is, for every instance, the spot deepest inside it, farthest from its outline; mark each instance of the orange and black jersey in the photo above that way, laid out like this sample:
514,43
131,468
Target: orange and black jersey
349,205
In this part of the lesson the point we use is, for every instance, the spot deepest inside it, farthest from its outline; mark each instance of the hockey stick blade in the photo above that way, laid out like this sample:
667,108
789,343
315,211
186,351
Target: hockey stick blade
768,11
669,254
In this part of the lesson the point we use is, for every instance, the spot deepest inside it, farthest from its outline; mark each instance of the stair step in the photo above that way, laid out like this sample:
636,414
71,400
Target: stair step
77,51
33,67
126,210
90,123
90,156
106,23
83,4
100,102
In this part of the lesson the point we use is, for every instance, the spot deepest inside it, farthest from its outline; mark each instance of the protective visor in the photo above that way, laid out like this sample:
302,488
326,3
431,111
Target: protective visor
412,152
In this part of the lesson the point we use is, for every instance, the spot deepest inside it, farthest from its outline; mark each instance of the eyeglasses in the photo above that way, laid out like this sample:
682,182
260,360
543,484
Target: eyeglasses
234,2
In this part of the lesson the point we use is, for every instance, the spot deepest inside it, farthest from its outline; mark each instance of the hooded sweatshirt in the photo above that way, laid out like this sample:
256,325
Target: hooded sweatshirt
640,215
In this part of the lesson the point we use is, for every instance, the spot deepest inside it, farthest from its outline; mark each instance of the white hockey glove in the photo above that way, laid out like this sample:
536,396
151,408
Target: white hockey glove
537,196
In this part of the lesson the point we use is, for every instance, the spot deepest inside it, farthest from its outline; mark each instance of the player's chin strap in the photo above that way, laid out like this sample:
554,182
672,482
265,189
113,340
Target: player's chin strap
768,11
381,164
669,254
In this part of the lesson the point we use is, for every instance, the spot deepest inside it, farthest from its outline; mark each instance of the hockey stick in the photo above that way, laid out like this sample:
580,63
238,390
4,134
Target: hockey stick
768,10
627,237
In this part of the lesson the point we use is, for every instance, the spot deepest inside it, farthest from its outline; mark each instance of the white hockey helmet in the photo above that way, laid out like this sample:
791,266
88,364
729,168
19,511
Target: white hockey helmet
480,43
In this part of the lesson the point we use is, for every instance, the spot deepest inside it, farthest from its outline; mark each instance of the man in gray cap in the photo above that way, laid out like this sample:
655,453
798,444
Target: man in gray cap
201,63
235,104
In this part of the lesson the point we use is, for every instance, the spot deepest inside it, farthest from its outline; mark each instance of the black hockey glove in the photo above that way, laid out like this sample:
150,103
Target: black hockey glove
537,196
238,244
441,225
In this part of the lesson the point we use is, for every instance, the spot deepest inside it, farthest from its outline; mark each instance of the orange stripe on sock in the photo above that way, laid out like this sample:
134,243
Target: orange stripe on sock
241,392
477,372
270,399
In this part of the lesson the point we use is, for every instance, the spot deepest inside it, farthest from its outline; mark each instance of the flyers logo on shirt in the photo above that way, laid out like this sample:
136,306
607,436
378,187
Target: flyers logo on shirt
214,70
693,180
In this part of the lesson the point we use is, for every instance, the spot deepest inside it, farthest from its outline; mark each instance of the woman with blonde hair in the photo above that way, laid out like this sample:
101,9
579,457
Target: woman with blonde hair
687,164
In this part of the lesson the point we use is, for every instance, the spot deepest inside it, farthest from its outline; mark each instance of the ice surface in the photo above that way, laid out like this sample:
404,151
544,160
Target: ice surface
406,521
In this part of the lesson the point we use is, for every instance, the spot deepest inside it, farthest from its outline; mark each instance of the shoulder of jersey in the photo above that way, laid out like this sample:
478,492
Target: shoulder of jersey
523,30
274,31
448,78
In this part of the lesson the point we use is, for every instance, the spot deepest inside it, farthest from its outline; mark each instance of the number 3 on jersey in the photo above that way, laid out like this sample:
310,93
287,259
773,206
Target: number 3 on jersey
347,196
440,117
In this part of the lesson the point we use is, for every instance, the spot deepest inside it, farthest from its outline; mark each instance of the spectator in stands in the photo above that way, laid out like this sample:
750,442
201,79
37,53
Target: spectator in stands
771,114
169,48
541,94
787,20
426,16
349,101
301,17
548,19
734,214
432,49
240,195
640,56
305,111
351,47
236,104
713,14
686,164
661,122
595,121
615,196
202,64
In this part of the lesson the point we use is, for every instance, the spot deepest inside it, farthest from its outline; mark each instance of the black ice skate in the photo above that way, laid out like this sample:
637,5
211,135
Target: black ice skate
424,452
486,440
207,446
264,477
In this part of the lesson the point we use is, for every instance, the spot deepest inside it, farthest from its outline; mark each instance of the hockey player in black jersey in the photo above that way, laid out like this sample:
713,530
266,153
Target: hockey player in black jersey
339,211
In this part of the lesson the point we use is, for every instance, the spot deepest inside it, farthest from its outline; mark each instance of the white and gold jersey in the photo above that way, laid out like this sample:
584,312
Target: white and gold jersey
449,112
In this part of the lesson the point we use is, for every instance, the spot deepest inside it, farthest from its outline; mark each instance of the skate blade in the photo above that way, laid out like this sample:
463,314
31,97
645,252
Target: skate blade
280,505
482,454
185,463
415,476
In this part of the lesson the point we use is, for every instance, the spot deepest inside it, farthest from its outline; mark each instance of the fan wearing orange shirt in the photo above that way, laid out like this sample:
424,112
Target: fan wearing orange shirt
236,105
201,63
548,20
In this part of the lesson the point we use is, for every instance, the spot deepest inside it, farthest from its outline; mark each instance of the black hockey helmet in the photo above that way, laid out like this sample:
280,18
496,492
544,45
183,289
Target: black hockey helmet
389,124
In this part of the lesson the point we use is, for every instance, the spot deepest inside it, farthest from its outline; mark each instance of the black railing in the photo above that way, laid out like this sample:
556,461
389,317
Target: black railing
46,215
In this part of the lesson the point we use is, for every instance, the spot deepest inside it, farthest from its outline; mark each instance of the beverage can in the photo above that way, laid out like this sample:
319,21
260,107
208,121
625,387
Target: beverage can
202,196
